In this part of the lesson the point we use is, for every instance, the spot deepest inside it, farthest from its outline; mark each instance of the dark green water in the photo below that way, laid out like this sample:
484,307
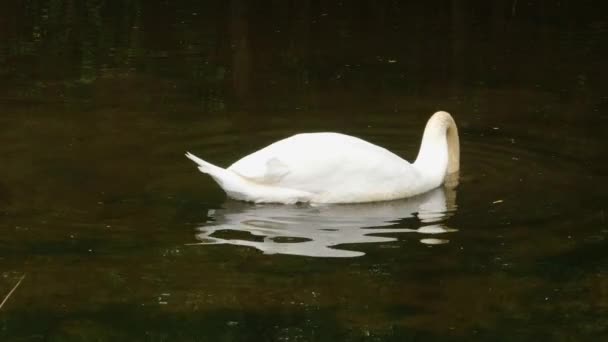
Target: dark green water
112,225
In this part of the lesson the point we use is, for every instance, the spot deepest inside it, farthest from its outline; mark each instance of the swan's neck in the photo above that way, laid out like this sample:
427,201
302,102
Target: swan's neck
439,154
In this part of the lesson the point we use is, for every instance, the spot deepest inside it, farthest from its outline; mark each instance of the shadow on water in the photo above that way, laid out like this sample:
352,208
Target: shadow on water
316,230
123,323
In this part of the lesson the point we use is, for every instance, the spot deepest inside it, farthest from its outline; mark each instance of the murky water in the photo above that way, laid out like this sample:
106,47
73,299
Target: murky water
121,238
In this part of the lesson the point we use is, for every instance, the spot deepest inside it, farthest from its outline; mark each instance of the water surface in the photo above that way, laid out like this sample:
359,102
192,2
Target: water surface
121,238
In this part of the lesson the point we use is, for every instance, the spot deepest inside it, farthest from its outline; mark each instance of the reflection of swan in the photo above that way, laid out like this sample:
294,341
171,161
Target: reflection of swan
337,168
312,230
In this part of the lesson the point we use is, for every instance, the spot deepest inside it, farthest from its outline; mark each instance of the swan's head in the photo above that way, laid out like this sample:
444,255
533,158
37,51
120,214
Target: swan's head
441,129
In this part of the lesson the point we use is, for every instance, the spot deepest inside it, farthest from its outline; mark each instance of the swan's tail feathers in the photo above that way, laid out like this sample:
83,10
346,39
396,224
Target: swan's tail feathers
205,167
234,185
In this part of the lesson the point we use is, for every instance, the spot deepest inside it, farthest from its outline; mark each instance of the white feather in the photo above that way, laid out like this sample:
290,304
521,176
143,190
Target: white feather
337,168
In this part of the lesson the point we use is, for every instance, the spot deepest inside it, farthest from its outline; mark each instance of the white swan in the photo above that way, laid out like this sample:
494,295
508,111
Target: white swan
337,168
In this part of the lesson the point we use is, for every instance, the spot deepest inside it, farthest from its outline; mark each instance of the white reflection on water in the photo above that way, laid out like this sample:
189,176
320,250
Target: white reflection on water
309,230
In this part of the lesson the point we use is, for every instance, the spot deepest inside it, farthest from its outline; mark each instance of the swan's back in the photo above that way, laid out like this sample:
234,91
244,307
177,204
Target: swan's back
317,162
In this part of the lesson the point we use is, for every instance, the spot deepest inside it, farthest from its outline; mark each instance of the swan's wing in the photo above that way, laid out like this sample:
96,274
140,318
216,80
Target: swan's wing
275,170
265,169
272,172
270,165
318,161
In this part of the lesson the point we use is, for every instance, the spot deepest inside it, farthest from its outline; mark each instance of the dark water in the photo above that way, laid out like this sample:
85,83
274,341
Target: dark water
121,239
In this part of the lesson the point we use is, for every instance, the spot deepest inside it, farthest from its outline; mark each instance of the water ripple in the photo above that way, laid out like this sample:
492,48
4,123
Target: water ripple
321,230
